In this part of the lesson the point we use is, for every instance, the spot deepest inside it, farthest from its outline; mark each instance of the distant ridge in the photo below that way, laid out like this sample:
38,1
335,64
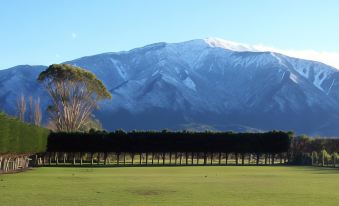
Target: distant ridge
203,83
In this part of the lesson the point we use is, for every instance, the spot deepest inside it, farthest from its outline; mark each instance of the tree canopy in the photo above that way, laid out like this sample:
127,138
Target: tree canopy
74,92
151,141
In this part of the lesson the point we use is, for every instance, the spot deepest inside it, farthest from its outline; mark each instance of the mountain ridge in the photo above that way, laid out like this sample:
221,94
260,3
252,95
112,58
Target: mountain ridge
194,83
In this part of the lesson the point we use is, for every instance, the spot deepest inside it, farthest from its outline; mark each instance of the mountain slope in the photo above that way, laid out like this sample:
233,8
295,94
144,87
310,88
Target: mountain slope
199,84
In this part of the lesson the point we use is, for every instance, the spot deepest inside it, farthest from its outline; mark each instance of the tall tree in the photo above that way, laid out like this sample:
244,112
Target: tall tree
75,93
31,109
21,107
37,115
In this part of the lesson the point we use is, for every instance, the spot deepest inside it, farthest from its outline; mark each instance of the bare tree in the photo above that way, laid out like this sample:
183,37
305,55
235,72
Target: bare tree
31,109
34,114
51,126
37,112
74,92
21,107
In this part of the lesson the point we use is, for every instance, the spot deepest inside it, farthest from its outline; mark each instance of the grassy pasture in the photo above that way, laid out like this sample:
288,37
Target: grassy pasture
209,185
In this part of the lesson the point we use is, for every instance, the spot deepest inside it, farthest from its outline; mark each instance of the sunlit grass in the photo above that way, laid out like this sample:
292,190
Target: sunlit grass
209,185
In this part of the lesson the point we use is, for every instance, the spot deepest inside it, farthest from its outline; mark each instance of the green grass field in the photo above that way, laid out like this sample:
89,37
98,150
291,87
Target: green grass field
172,186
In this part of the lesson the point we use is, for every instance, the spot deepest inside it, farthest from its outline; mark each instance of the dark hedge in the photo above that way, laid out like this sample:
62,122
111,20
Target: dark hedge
149,141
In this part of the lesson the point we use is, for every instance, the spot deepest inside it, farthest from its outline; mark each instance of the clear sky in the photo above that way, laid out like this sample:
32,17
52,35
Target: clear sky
46,32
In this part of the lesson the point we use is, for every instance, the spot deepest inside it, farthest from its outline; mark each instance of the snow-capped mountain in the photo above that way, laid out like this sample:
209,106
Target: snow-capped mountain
202,84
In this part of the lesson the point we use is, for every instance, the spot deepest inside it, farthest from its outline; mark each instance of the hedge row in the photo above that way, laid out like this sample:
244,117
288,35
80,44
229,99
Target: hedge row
18,137
135,142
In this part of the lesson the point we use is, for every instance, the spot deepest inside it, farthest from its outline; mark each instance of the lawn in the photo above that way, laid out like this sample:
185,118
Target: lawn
210,185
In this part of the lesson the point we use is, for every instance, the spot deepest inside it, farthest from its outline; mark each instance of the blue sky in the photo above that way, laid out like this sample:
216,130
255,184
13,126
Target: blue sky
46,32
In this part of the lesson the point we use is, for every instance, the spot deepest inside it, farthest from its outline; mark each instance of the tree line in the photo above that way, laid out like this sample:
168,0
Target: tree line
151,141
314,151
165,148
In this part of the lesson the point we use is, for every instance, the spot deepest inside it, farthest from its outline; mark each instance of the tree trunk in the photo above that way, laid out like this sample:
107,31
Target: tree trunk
334,161
105,158
192,155
43,159
124,158
242,159
176,157
186,155
236,158
49,159
73,158
64,158
36,161
146,158
163,158
219,158
98,158
56,156
211,158
170,158
81,158
152,158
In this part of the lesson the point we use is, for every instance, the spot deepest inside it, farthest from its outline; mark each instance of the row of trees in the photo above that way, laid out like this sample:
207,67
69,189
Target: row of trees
157,158
323,158
188,148
314,151
165,148
152,141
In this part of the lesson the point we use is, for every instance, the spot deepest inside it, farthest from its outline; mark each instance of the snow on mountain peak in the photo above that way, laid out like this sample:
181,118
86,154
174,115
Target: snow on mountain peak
230,45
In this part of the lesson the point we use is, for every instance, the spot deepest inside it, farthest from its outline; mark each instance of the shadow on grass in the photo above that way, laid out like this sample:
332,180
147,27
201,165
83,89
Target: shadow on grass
156,165
316,169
